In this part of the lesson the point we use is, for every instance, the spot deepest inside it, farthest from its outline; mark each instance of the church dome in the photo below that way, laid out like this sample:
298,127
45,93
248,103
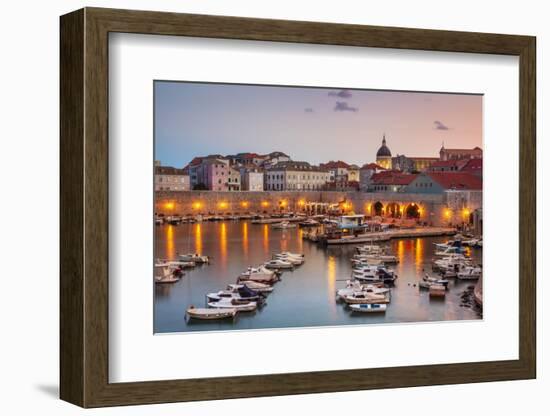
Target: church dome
384,150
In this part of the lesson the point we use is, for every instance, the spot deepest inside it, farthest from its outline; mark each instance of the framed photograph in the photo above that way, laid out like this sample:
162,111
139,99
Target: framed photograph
263,207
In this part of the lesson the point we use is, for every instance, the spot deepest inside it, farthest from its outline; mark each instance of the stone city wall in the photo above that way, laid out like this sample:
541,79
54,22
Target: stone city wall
434,209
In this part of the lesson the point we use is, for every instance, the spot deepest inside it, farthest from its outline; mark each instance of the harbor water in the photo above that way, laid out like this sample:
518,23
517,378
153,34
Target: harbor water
304,297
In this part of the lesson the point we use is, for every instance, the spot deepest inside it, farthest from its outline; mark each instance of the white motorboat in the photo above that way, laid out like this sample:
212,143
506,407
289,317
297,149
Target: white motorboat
241,306
164,274
370,249
194,257
297,261
383,258
257,286
278,264
450,250
284,225
374,274
469,273
368,307
427,282
288,253
174,263
365,297
353,286
211,313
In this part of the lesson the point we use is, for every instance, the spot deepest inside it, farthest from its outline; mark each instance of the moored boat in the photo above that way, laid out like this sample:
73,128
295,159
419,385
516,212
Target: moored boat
239,305
211,313
368,307
194,257
278,264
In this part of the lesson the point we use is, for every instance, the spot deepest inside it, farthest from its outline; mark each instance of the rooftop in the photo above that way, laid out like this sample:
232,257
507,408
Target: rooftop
457,180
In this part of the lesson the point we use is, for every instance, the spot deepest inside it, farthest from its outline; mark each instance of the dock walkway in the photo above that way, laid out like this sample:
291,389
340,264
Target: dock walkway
390,234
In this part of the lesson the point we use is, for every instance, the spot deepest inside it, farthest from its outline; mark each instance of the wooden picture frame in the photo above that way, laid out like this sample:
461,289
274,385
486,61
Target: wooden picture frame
84,207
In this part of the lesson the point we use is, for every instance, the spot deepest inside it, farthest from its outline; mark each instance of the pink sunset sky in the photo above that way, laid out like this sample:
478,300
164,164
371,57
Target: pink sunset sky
311,124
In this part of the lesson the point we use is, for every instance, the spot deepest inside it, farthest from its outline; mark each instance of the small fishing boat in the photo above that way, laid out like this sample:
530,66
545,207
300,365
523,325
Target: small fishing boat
194,257
469,273
279,264
240,293
368,307
211,313
284,225
239,305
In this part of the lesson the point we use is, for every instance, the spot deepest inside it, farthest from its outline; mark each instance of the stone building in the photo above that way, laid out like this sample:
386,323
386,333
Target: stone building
439,182
412,164
365,174
252,179
168,178
214,174
450,154
390,181
295,176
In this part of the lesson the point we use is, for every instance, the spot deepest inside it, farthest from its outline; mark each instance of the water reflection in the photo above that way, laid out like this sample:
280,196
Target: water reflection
266,238
223,243
331,280
305,296
245,238
170,246
198,238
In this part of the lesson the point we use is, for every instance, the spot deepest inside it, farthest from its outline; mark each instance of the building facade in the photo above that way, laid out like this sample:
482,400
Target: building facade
450,154
168,178
252,179
295,176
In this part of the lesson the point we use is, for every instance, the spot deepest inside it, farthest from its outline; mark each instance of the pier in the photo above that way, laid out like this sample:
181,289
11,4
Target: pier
390,234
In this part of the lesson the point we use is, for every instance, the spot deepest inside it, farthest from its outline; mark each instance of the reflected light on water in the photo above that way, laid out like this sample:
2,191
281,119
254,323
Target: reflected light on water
331,281
245,239
418,254
300,241
198,238
266,238
223,242
170,245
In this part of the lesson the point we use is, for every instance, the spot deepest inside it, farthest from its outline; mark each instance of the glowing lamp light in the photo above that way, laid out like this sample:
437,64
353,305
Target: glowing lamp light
301,202
244,204
448,213
466,212
283,203
169,205
265,203
197,205
223,205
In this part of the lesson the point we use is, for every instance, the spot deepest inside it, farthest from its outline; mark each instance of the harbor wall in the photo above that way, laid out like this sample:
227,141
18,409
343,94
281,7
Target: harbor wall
434,209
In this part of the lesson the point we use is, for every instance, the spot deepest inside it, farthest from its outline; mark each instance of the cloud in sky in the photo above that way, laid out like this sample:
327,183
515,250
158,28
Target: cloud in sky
343,106
438,125
340,94
309,110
